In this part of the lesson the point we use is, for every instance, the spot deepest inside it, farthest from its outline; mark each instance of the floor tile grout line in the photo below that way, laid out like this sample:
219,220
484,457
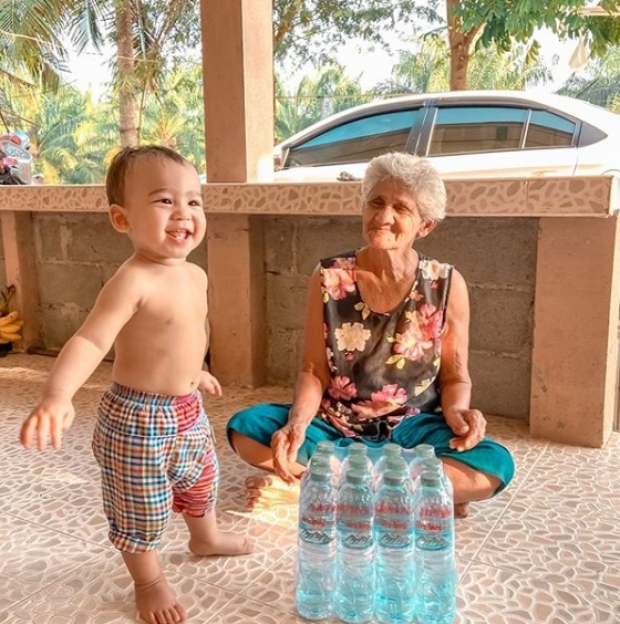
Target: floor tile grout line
508,503
235,594
105,547
56,581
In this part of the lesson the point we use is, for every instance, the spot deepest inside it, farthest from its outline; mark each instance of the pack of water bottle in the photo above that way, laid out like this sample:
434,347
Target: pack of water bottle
376,537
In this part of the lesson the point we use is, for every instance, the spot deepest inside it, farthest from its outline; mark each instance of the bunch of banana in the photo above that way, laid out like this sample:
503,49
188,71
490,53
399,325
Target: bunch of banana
10,324
5,299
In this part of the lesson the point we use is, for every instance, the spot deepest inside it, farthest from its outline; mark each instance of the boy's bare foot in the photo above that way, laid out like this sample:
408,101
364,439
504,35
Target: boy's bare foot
157,603
223,543
267,491
461,510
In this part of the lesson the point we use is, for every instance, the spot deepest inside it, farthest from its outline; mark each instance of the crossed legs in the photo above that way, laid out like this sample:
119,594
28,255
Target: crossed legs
264,491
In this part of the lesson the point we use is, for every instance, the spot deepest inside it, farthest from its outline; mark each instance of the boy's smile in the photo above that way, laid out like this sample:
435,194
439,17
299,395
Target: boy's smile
163,213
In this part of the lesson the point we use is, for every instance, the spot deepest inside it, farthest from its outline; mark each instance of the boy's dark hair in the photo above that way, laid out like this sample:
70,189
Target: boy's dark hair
117,171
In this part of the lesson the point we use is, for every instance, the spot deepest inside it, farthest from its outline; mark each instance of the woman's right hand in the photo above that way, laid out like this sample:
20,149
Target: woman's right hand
285,443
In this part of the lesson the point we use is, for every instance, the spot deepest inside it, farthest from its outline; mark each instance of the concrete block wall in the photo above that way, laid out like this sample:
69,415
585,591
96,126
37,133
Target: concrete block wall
293,247
78,252
497,257
76,255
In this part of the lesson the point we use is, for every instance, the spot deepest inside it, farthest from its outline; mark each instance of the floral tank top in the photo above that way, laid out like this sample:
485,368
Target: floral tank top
384,366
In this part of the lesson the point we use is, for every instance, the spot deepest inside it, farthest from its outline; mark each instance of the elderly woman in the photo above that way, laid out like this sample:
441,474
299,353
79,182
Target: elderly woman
385,355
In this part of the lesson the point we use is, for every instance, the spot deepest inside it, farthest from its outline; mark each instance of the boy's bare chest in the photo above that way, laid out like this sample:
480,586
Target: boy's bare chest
177,301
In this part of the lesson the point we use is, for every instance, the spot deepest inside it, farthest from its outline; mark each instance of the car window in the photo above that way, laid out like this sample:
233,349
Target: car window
471,129
549,130
355,141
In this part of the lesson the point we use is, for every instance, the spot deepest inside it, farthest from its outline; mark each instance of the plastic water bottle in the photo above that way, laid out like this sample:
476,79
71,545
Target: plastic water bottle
327,447
434,550
388,451
357,449
421,453
357,463
323,456
354,548
438,465
316,546
399,465
394,563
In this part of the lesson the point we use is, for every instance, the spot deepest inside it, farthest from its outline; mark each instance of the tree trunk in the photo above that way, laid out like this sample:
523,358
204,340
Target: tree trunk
126,73
460,44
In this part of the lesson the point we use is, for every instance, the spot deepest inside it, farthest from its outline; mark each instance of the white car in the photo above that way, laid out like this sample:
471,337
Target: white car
466,134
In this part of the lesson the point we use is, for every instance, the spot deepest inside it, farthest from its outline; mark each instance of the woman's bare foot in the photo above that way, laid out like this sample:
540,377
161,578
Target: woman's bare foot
268,491
222,543
157,603
461,510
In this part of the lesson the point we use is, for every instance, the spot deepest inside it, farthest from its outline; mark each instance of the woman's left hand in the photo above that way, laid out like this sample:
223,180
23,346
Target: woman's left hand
469,425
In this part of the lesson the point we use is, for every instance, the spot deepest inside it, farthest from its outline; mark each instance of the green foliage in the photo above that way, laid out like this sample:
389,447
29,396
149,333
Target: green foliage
426,68
31,48
504,21
307,29
331,92
599,82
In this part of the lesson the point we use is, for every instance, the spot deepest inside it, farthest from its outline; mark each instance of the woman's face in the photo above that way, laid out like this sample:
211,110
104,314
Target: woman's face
391,219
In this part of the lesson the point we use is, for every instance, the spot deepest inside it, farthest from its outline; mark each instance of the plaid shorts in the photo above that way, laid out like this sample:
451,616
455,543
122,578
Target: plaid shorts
156,455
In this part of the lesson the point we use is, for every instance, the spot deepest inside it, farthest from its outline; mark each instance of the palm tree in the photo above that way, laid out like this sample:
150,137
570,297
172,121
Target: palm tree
599,82
147,35
30,43
426,68
330,92
175,116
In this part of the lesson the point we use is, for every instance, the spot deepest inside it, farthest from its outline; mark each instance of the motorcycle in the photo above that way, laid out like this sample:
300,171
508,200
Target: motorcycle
15,159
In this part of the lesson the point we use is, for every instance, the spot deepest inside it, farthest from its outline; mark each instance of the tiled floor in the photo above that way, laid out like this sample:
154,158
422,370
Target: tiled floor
545,551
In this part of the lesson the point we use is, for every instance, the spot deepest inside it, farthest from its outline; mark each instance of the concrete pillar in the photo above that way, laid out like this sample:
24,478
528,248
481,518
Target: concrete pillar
575,356
238,90
237,46
237,299
21,270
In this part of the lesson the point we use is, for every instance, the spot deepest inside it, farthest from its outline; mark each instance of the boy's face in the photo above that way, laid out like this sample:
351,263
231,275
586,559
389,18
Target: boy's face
163,214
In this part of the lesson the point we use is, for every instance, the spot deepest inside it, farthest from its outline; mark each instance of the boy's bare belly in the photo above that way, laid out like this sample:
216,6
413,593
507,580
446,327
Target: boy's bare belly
169,363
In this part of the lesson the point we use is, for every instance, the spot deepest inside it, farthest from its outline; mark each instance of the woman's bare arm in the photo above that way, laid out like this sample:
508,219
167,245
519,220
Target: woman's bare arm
454,381
313,377
311,382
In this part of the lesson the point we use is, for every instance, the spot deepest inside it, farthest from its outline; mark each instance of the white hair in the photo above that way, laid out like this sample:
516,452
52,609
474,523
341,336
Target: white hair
416,174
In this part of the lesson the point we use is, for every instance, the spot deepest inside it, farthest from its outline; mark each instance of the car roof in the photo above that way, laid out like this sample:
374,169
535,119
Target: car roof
595,115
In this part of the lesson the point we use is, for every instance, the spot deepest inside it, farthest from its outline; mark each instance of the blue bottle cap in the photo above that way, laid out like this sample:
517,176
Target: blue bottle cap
357,448
391,450
431,475
320,474
393,477
356,477
325,446
359,462
319,460
424,451
396,463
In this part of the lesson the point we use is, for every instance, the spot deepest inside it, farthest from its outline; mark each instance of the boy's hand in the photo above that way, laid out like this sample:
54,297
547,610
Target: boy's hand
208,383
47,420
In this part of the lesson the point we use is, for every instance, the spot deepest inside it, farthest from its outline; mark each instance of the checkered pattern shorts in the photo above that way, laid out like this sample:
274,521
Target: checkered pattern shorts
156,455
